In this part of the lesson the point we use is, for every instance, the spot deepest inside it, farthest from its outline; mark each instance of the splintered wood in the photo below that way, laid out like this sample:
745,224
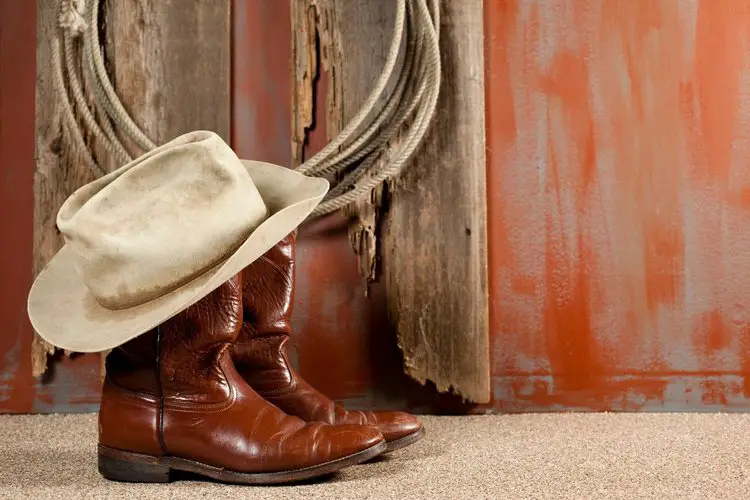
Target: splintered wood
425,232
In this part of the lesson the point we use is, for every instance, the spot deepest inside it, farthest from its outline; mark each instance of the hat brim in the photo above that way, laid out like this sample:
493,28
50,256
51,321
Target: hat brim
65,314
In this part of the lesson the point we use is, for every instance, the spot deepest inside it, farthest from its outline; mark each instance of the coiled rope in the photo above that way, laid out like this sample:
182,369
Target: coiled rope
353,161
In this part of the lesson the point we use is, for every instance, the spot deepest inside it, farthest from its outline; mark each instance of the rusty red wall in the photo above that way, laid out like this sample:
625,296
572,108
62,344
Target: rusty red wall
17,29
619,177
71,384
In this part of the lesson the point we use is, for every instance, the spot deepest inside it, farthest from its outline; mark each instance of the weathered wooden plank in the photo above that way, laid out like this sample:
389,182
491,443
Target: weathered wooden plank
435,243
433,249
171,64
72,385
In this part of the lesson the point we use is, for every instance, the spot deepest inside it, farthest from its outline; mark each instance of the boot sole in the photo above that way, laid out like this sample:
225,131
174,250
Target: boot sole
131,467
404,441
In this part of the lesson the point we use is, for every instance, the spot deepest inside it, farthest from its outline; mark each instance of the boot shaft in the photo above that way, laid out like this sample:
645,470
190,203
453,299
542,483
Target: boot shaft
130,408
193,343
174,366
268,292
133,364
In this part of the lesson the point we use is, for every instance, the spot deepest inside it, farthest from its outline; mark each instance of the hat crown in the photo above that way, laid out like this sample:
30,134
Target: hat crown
161,220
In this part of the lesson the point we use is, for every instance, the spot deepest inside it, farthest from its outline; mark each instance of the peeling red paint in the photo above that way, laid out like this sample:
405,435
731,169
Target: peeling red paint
711,334
714,393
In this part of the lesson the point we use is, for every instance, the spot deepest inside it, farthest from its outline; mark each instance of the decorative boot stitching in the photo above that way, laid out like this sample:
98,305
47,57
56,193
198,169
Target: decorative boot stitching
181,405
292,386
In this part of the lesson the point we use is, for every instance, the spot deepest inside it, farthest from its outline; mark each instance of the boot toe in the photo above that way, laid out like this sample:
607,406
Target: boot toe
397,425
350,439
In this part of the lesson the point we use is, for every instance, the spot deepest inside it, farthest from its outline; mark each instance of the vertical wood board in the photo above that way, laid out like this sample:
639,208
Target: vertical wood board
435,246
171,64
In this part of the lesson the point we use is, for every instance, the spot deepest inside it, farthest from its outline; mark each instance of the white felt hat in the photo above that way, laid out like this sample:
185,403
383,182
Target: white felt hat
155,236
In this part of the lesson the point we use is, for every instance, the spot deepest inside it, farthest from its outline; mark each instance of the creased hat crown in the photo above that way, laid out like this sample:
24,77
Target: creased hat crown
161,220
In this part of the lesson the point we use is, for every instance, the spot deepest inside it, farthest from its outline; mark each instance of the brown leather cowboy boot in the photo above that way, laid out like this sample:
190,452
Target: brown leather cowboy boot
260,354
172,400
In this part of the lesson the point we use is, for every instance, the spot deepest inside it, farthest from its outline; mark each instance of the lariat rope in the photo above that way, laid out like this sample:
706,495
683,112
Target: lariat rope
353,161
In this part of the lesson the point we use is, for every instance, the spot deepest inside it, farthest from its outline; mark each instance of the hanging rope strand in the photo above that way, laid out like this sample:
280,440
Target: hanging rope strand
404,104
69,119
354,157
368,141
414,136
108,96
112,145
371,101
428,85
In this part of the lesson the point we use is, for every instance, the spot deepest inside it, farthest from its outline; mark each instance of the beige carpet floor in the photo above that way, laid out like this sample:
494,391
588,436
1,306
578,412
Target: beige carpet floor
588,456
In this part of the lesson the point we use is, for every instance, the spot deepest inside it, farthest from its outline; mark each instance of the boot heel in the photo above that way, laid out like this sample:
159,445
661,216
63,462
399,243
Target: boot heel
131,467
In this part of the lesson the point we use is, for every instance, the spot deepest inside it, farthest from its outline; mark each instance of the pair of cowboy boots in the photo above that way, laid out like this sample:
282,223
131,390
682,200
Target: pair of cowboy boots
210,391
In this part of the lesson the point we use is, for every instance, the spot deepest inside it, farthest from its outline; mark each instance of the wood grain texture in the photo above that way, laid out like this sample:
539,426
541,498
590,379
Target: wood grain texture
304,69
435,245
362,36
71,385
433,248
171,64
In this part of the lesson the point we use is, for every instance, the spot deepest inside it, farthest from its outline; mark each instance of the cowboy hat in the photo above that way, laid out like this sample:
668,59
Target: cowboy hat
155,236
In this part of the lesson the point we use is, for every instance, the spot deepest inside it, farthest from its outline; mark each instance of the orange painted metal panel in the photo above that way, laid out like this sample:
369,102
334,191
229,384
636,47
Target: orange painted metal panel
618,140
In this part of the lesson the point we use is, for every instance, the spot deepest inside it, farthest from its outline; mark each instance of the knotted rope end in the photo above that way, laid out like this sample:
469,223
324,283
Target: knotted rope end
71,16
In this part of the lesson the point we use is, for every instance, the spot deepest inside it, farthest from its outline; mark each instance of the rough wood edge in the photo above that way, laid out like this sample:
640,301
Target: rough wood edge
316,33
304,72
429,339
317,49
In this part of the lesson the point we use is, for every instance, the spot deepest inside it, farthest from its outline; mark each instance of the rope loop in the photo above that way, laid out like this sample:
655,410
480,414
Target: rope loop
354,160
